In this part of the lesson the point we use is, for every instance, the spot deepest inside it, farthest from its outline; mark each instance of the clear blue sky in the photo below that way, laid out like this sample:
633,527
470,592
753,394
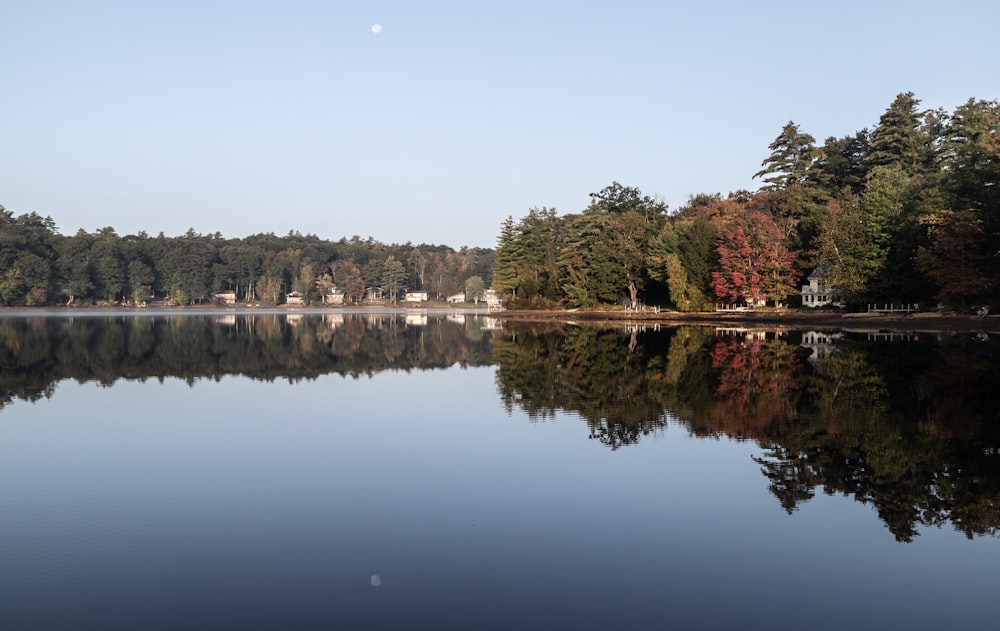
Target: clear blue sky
245,117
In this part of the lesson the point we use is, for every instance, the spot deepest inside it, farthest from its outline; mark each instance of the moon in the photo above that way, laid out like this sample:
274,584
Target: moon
376,28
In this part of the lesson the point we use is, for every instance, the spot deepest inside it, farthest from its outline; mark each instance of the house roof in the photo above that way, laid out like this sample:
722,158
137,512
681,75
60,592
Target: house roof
819,272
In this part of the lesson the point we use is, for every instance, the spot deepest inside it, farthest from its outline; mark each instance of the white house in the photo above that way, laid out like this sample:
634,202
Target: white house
226,297
295,298
493,302
333,296
817,293
456,298
416,296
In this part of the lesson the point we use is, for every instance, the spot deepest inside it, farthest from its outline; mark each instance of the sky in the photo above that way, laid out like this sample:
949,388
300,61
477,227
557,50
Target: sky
252,117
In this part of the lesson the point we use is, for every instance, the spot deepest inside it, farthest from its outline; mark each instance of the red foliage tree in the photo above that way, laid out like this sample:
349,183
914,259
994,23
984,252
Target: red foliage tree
754,264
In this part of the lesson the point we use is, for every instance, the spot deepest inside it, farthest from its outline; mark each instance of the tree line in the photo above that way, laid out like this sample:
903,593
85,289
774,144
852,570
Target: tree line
908,211
39,266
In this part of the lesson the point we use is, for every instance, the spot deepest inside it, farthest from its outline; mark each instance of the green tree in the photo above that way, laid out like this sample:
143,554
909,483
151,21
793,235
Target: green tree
184,265
892,233
527,256
27,257
792,156
617,199
108,265
393,278
846,248
795,186
418,267
140,280
899,139
75,267
843,163
971,163
475,289
241,265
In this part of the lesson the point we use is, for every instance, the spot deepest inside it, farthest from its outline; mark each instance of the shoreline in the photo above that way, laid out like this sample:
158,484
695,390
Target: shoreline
912,322
113,311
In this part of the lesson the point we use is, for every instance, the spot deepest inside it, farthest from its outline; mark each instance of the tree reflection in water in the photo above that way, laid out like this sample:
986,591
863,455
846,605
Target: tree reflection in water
910,427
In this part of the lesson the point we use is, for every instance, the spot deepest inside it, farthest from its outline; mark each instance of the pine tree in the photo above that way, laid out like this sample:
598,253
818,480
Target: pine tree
393,278
899,140
792,155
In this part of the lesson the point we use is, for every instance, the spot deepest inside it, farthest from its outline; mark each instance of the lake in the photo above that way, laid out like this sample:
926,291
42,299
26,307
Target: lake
382,470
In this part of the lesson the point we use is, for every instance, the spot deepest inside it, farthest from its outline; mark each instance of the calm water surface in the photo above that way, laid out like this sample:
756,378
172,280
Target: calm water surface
344,472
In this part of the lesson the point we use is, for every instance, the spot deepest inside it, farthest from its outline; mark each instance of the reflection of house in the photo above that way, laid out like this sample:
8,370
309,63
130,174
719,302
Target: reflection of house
822,345
820,342
739,331
817,293
416,296
333,296
295,298
492,324
226,297
456,298
416,319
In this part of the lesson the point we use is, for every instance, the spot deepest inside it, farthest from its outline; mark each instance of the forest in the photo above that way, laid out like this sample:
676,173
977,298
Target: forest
39,266
905,212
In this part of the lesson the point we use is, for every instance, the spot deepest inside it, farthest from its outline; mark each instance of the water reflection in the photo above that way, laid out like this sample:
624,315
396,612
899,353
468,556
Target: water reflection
906,424
36,353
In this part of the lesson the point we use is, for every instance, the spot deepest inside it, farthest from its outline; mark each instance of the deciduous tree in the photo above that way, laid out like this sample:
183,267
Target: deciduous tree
754,265
954,259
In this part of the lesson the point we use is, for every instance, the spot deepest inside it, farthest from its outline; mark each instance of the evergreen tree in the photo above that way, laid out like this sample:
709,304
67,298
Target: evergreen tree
792,155
972,162
795,188
843,164
899,139
393,278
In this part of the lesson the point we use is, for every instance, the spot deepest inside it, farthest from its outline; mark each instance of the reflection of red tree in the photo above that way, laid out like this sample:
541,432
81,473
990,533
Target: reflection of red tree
755,379
354,332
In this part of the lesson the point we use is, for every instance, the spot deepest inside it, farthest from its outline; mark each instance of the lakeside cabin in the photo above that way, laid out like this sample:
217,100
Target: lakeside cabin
415,296
225,298
333,296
